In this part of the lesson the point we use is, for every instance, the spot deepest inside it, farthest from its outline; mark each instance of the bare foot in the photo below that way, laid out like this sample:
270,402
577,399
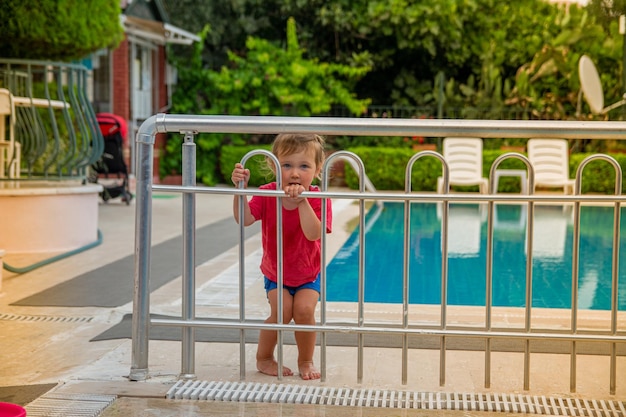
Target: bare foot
308,371
270,367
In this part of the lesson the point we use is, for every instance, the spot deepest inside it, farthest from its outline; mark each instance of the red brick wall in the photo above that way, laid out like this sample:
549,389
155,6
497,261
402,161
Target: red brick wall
121,80
159,94
162,87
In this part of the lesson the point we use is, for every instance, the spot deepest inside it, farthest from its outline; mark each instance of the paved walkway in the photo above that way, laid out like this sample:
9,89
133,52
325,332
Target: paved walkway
41,345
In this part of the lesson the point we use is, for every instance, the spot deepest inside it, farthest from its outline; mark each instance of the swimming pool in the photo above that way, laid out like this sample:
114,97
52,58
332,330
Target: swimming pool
552,251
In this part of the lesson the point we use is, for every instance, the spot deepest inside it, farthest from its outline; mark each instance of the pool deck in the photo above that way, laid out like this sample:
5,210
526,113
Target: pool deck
41,345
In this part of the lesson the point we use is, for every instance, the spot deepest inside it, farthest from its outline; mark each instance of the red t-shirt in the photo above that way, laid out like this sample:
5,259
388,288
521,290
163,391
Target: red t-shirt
301,257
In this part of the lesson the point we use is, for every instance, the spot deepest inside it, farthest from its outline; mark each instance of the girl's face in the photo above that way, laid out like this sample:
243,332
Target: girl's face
299,168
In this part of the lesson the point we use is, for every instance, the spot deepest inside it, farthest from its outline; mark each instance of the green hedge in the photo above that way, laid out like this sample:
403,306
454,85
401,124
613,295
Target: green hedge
207,157
386,169
233,154
58,30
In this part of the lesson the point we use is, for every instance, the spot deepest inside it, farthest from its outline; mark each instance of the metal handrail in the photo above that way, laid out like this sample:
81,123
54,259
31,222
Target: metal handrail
55,122
385,127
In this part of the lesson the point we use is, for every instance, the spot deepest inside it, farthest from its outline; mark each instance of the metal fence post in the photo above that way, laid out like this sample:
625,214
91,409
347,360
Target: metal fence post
189,257
143,239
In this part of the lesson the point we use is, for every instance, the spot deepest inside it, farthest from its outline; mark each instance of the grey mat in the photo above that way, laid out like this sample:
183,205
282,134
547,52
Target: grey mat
23,394
112,285
122,330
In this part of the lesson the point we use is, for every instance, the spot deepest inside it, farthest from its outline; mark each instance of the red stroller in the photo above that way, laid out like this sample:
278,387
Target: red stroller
111,164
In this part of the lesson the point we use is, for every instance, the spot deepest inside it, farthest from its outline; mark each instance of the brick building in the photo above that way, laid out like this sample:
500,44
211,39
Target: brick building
134,81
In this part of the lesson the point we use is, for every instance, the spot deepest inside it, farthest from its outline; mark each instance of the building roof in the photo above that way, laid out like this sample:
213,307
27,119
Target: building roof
148,19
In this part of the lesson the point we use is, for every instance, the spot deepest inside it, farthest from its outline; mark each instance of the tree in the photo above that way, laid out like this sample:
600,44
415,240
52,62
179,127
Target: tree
481,48
265,79
58,30
607,11
548,84
405,42
231,23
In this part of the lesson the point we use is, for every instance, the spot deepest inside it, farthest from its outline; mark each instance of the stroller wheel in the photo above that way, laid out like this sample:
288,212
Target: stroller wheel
127,197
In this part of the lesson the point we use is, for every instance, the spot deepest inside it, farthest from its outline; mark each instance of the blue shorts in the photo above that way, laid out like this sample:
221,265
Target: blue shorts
313,285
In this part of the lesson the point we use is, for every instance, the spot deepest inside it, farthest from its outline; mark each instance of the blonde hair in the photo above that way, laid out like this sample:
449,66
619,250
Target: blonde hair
289,143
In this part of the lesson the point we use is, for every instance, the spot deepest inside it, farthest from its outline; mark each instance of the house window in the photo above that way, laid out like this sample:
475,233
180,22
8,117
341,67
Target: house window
142,82
101,62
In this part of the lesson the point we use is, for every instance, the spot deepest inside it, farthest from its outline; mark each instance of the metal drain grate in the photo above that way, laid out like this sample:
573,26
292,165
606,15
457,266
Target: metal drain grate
59,319
308,394
78,405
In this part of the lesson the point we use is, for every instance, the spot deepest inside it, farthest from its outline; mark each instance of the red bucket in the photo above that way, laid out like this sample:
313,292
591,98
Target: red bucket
11,410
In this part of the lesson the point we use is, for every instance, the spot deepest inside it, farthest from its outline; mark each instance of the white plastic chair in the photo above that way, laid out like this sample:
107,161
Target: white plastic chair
550,158
465,160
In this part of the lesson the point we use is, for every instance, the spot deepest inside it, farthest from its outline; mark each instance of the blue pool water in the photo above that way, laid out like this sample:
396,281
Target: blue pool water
552,251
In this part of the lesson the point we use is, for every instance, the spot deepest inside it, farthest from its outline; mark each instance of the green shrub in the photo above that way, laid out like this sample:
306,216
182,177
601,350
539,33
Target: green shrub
207,158
230,155
58,30
598,177
385,167
265,80
345,142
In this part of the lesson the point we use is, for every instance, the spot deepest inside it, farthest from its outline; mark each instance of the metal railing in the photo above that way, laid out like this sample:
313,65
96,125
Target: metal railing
55,124
191,125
